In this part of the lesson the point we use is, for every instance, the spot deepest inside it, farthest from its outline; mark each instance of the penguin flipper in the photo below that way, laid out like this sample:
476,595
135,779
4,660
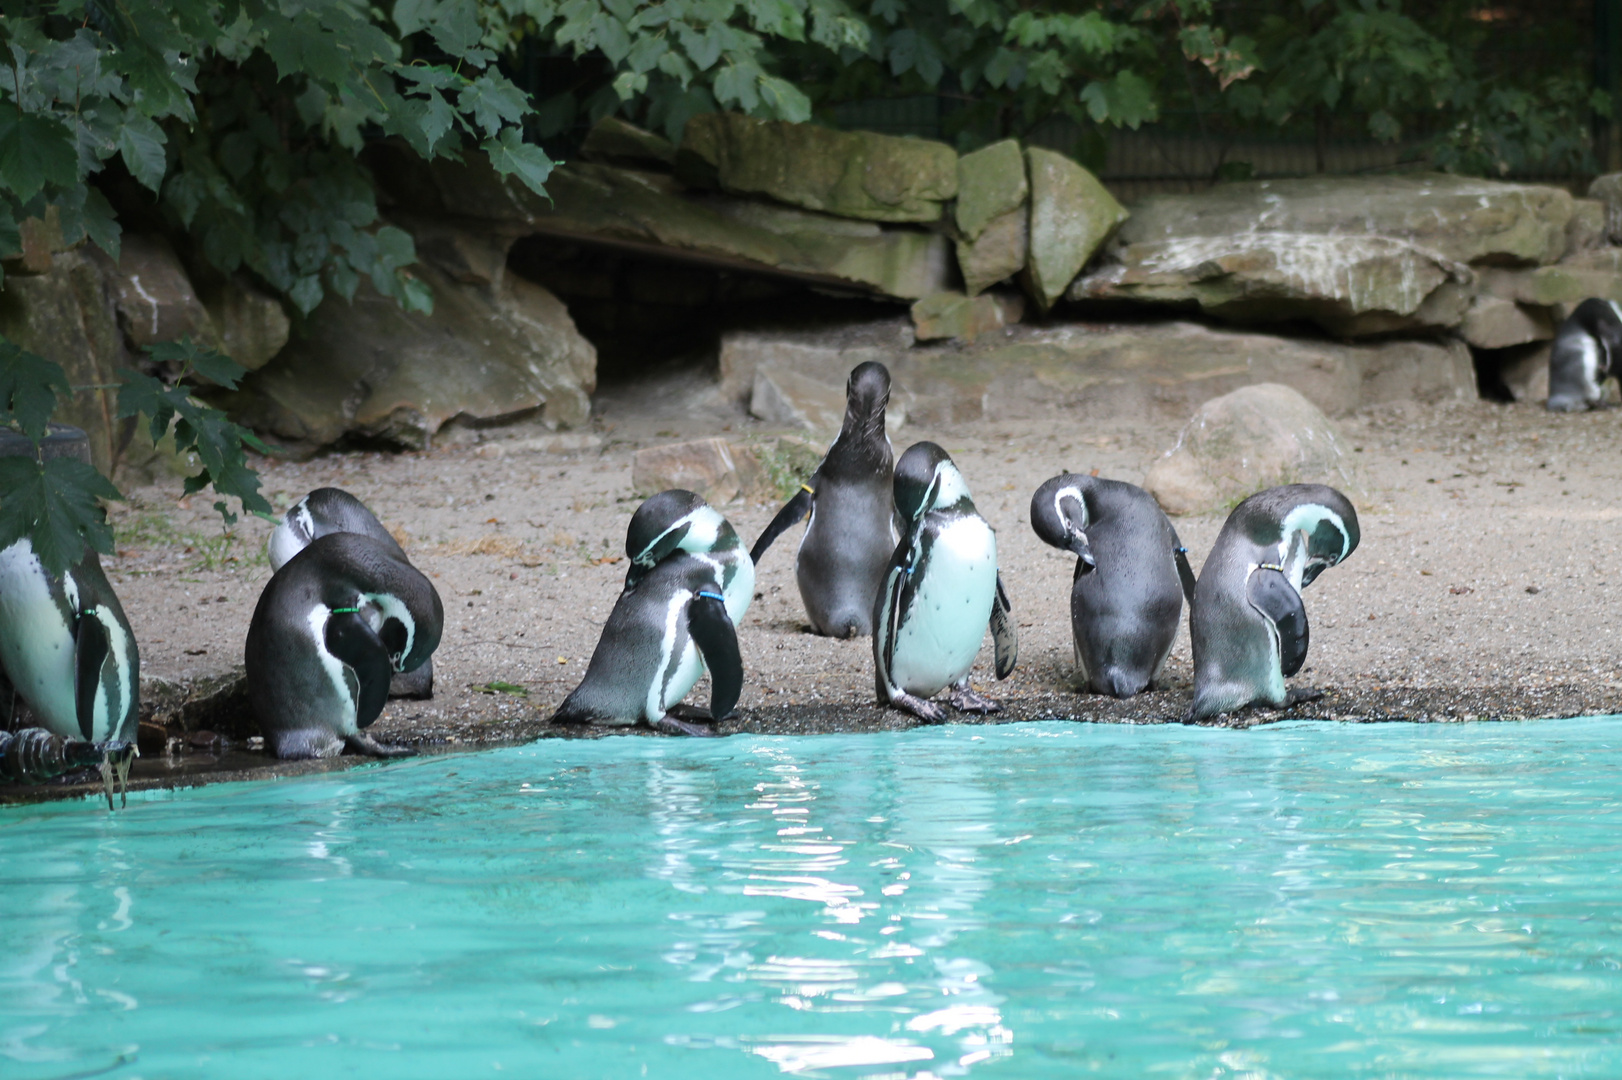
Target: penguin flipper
90,648
351,639
1004,637
717,639
1179,554
1271,593
794,511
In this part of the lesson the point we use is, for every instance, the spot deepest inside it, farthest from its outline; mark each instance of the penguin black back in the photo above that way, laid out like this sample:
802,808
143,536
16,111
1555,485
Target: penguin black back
1587,351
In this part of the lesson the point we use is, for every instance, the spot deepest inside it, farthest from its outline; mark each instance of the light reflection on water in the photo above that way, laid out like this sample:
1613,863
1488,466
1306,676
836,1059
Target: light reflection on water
1044,900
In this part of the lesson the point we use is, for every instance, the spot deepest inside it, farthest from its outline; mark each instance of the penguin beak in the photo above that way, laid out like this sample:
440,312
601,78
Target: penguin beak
1083,552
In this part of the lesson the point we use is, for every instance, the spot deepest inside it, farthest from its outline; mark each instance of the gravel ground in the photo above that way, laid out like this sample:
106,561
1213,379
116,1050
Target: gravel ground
1483,588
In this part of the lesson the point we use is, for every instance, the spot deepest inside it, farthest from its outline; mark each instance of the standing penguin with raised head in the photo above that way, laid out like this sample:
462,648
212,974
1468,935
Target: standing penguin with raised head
941,591
1247,622
1131,577
851,530
1587,351
330,630
689,584
328,510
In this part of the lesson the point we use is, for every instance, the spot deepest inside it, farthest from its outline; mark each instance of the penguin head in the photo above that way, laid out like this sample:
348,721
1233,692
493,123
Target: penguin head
1324,516
926,479
1059,517
292,536
867,392
674,520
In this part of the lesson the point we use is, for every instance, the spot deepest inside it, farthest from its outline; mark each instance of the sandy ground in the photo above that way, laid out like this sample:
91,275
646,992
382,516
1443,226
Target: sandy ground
1486,583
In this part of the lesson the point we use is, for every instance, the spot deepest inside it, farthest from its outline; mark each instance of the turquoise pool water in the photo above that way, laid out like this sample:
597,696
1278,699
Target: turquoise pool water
1032,900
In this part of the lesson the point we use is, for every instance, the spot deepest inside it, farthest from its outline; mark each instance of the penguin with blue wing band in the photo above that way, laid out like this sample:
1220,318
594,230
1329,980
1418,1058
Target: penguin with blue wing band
689,583
941,593
1248,623
849,510
1132,573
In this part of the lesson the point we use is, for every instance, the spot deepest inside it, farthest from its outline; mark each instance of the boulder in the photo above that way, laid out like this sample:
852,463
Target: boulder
1570,281
618,142
992,215
705,466
156,301
1071,217
1607,190
252,325
68,314
1351,285
1588,227
1240,443
373,371
854,174
1455,218
1493,322
814,402
825,353
954,316
654,214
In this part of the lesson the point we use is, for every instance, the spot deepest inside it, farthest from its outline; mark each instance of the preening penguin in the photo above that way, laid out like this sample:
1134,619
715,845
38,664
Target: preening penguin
330,510
941,591
331,628
1248,624
69,654
851,530
1132,574
1587,351
689,583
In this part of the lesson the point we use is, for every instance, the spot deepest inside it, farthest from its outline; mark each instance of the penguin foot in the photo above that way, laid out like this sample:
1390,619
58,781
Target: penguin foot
1300,695
115,770
670,725
927,711
359,743
966,700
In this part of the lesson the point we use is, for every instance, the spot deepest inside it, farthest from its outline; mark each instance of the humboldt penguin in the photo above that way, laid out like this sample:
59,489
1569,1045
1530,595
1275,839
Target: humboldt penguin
1132,574
1247,621
69,656
330,629
851,530
941,590
1587,351
329,510
689,584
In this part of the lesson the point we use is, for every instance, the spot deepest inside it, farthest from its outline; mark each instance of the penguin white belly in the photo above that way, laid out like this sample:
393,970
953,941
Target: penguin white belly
679,662
36,644
941,632
343,717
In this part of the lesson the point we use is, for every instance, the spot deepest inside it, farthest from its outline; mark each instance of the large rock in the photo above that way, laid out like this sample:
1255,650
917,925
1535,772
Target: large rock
618,142
855,174
705,466
1351,285
370,370
1607,190
1457,218
156,301
1571,281
654,214
252,325
813,402
956,317
1254,438
1071,216
992,215
1496,323
67,314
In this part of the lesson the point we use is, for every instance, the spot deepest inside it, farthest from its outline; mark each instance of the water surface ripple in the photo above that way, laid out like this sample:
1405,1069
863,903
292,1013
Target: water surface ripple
1029,900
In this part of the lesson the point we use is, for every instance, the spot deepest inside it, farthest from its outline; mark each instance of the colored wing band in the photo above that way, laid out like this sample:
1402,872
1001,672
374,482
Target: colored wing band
345,611
707,595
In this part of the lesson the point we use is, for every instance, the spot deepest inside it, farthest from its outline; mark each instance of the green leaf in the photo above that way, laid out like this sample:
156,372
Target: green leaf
29,386
53,505
141,143
492,100
35,151
511,156
216,367
413,15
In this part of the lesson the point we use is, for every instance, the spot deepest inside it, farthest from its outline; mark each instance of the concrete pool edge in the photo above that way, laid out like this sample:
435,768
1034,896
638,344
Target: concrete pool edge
1344,705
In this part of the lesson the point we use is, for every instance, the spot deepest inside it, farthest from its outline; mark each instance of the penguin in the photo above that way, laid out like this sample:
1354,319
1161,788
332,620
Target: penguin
689,584
1132,574
329,510
333,624
1247,622
941,590
851,530
1587,351
69,655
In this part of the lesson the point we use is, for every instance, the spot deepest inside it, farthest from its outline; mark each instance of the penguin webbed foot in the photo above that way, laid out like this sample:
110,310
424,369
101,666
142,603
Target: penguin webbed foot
360,743
964,699
117,757
673,725
1300,695
927,711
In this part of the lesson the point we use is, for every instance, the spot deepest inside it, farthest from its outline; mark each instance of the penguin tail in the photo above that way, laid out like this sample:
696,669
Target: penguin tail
1120,684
